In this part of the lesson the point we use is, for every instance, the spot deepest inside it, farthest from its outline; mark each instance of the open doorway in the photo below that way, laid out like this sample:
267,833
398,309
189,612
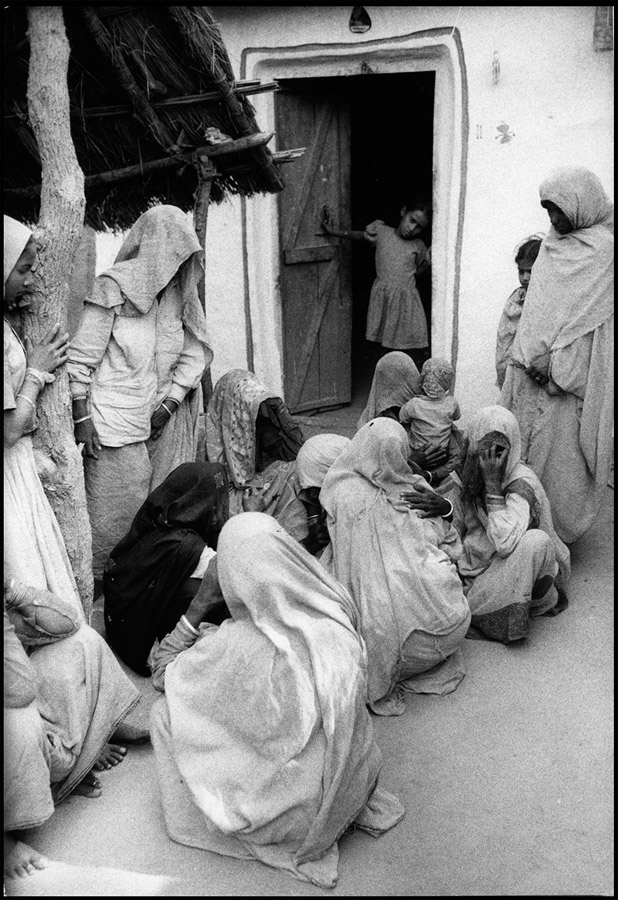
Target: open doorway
391,158
369,142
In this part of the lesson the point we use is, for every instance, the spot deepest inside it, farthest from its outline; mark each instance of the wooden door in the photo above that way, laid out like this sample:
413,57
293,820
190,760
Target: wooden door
315,269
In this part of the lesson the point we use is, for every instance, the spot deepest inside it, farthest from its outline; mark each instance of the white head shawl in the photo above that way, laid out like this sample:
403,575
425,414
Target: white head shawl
16,236
395,381
571,289
316,456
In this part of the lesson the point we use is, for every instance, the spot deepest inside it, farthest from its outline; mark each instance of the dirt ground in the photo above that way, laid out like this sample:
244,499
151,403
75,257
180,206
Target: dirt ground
507,782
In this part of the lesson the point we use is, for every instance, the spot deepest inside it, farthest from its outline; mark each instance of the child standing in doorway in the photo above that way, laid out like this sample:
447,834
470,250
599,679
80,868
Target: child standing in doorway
396,318
525,258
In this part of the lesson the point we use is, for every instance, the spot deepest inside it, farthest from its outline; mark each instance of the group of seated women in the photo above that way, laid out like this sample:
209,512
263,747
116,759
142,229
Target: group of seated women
284,589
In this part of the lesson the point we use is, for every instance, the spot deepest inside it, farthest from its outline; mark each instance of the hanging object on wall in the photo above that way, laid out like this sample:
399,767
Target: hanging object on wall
359,20
495,67
603,37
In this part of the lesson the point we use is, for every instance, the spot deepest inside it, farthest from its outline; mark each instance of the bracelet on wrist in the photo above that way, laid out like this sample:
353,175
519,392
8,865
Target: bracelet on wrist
83,419
43,378
166,408
28,400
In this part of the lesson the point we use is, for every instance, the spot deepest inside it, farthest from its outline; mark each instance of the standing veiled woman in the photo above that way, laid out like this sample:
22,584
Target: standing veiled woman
34,550
559,382
135,366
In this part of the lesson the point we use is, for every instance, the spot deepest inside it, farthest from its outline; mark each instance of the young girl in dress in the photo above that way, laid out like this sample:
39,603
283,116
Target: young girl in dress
396,318
525,258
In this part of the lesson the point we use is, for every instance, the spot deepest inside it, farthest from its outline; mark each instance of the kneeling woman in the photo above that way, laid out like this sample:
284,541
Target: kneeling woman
263,744
514,565
393,548
155,570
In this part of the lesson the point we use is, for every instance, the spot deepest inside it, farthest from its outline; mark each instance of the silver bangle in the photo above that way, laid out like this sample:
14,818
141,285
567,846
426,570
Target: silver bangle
83,419
28,400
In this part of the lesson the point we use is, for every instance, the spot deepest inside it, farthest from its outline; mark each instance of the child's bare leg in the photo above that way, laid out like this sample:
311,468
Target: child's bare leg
19,858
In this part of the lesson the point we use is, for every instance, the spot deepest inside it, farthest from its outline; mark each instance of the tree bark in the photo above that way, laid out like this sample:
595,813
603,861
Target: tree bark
58,234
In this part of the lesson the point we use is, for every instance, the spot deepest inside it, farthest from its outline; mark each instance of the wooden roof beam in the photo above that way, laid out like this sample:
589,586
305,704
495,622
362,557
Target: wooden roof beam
249,142
139,101
190,100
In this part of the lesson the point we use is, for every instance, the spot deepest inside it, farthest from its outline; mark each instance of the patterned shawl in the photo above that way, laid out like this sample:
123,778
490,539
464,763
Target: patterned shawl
231,418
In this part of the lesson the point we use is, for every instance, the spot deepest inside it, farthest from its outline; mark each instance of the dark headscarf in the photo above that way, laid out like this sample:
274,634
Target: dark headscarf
145,585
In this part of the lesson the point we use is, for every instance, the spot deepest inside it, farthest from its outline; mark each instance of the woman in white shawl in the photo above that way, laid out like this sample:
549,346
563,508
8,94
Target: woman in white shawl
393,549
263,744
135,366
64,697
395,381
34,550
315,458
514,565
559,382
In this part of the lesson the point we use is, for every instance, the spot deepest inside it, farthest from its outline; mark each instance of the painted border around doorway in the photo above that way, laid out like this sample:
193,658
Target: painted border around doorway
438,50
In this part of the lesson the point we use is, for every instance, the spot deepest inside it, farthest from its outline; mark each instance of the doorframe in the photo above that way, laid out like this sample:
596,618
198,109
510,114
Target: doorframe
436,50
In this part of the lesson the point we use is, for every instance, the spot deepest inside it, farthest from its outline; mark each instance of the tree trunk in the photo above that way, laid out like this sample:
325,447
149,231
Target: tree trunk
58,234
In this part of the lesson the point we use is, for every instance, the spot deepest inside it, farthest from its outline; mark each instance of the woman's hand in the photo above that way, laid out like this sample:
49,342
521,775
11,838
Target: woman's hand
52,352
492,463
158,421
429,458
255,499
86,434
426,501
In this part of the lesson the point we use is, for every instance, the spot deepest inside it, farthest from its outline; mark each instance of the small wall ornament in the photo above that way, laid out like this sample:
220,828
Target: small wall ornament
504,133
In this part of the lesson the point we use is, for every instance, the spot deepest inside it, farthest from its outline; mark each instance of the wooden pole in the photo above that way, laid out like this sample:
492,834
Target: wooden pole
206,172
58,234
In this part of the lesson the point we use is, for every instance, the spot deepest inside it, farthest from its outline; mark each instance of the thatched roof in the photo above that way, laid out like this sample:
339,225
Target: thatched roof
145,84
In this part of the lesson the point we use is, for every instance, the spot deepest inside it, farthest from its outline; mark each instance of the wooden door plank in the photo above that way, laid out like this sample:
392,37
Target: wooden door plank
309,169
308,345
322,253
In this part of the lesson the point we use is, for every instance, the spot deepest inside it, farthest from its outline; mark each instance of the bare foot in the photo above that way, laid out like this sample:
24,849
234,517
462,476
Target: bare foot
131,734
20,859
110,755
89,786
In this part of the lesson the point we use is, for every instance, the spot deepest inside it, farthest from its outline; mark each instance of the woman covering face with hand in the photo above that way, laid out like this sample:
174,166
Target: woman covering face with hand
514,566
